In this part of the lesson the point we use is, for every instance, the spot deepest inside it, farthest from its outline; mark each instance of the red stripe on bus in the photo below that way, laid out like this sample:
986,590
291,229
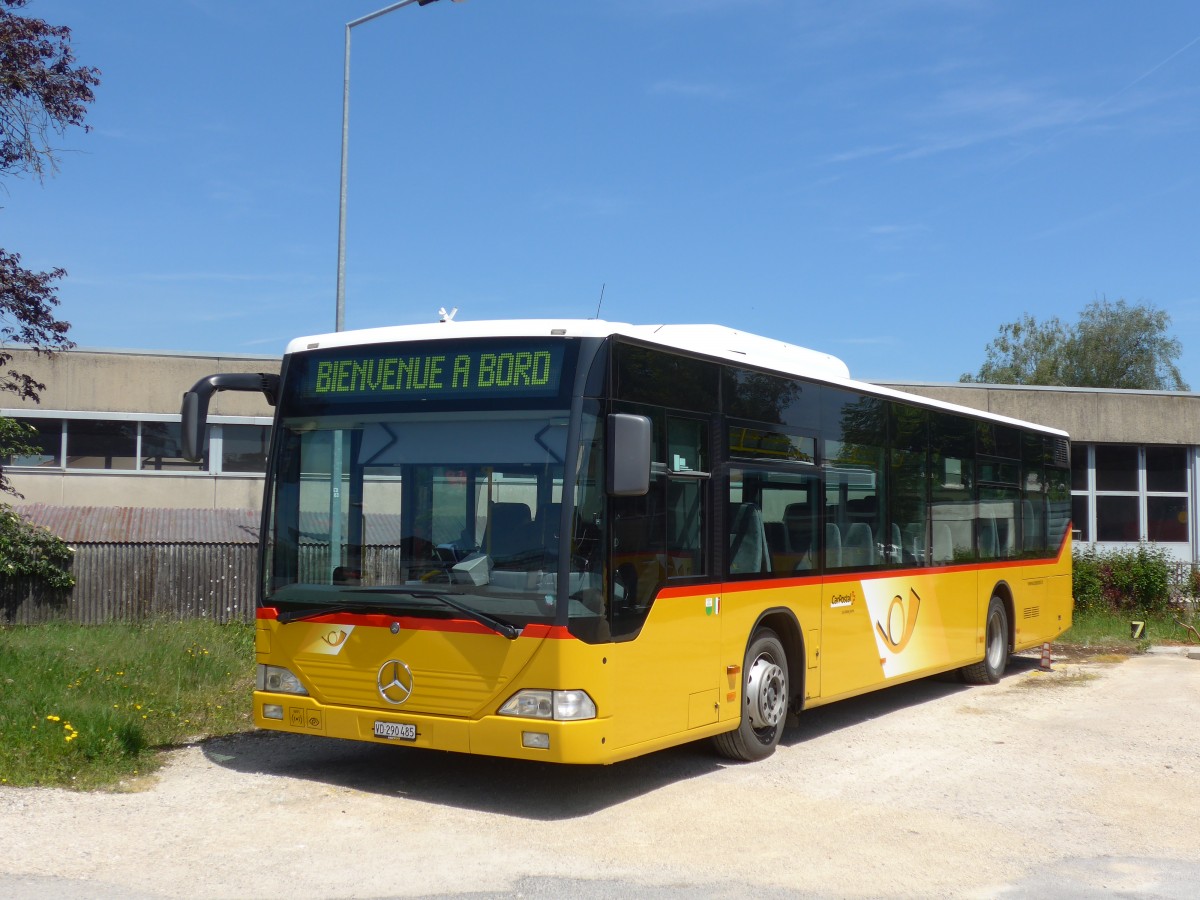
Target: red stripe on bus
413,623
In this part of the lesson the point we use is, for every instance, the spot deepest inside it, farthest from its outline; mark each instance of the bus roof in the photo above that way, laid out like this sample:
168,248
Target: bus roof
717,341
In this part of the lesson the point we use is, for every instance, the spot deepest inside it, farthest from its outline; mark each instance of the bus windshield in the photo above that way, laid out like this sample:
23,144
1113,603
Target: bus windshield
395,511
427,479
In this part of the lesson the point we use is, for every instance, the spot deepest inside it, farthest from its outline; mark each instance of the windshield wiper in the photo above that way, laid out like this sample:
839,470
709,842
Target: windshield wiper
315,612
499,626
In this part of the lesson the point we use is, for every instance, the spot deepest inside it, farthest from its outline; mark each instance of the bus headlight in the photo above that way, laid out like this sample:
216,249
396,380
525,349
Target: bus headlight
278,680
560,705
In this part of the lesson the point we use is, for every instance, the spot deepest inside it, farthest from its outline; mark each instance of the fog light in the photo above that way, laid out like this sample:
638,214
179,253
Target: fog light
272,711
535,740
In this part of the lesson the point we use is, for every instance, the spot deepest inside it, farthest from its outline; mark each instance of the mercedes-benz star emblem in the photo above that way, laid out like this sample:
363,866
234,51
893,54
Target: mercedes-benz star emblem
395,682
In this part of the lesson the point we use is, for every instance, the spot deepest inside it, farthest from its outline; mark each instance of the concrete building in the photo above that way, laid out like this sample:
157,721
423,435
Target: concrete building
108,426
108,429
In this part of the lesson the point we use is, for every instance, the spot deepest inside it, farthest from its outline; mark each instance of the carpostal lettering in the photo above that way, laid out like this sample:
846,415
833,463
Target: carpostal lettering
838,601
515,370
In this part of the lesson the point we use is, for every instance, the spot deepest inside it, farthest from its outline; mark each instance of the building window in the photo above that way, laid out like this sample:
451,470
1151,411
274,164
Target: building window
130,444
48,440
1116,467
1123,493
162,450
244,448
101,444
1117,519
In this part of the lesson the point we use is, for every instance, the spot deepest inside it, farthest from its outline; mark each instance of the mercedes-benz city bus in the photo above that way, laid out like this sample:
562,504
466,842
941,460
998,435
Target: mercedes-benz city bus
581,541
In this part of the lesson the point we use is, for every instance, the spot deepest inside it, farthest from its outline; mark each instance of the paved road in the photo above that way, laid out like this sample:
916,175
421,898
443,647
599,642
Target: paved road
1076,783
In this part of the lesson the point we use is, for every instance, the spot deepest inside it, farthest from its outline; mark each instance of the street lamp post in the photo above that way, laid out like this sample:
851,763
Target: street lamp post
340,319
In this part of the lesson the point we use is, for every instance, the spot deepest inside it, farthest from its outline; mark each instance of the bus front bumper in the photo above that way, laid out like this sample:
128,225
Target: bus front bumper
584,741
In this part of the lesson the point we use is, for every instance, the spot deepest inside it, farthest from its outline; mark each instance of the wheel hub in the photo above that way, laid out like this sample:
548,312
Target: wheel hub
766,693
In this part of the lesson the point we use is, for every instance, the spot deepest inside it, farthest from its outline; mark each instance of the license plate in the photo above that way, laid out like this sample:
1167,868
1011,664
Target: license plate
396,731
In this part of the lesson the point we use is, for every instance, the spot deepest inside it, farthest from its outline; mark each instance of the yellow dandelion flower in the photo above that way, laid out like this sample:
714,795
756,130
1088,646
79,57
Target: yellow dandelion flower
53,719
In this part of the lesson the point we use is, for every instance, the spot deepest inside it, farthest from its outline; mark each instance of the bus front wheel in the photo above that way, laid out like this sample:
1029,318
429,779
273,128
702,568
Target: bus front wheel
995,647
764,701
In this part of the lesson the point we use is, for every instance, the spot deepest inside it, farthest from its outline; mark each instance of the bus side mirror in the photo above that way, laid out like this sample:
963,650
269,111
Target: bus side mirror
630,451
193,411
193,427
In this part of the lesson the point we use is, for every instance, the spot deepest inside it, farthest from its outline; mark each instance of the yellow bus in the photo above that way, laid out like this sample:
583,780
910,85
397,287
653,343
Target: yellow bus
581,541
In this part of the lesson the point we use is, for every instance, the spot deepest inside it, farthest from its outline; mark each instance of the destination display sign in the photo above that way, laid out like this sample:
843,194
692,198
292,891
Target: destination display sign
428,371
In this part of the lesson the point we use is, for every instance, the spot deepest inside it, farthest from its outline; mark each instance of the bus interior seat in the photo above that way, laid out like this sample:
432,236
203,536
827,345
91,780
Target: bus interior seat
943,543
1031,527
797,523
896,548
915,543
776,534
833,545
508,529
859,546
748,551
988,544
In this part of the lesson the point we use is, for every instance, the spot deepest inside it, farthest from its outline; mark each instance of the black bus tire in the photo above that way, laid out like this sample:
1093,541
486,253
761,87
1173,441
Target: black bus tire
765,692
991,668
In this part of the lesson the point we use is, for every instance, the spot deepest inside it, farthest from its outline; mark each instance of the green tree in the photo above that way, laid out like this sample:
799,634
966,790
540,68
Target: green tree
1113,345
43,93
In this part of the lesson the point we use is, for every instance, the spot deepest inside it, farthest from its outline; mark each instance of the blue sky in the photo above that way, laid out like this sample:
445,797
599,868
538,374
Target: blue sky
885,181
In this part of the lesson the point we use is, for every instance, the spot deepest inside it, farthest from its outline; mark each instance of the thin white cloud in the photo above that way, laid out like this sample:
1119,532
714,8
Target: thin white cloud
583,202
695,89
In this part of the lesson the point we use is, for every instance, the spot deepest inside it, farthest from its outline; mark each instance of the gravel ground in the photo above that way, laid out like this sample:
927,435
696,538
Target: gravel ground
1073,783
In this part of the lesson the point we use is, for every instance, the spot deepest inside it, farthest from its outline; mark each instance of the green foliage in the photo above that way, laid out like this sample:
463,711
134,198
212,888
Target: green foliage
1113,345
32,553
43,93
1135,580
85,706
17,439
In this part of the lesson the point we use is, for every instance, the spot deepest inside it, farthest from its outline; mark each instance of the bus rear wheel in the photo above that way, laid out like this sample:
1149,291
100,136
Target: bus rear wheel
765,695
995,647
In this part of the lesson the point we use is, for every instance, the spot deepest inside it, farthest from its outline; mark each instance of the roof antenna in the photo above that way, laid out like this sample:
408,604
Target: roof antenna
601,301
447,316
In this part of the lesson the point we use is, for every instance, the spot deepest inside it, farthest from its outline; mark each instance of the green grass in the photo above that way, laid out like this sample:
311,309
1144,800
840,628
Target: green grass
1109,632
88,706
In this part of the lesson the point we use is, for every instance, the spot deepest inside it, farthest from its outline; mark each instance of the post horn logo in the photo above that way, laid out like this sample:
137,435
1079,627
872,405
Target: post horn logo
901,621
395,682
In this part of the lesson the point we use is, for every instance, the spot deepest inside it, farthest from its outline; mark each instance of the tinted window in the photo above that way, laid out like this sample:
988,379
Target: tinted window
98,444
665,379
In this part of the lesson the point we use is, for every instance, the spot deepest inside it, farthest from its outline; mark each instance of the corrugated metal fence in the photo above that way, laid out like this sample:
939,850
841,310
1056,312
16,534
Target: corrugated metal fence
134,564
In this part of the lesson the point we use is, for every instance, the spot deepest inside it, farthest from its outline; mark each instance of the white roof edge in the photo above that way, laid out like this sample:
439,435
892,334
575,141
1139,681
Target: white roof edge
717,341
711,340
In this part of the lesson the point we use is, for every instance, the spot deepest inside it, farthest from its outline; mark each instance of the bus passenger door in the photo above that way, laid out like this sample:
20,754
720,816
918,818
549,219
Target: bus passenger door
666,627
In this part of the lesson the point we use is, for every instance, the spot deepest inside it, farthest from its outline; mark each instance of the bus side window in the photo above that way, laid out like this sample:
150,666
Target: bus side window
785,504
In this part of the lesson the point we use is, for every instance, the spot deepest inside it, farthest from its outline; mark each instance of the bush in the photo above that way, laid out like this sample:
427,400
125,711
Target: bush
32,553
1136,580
